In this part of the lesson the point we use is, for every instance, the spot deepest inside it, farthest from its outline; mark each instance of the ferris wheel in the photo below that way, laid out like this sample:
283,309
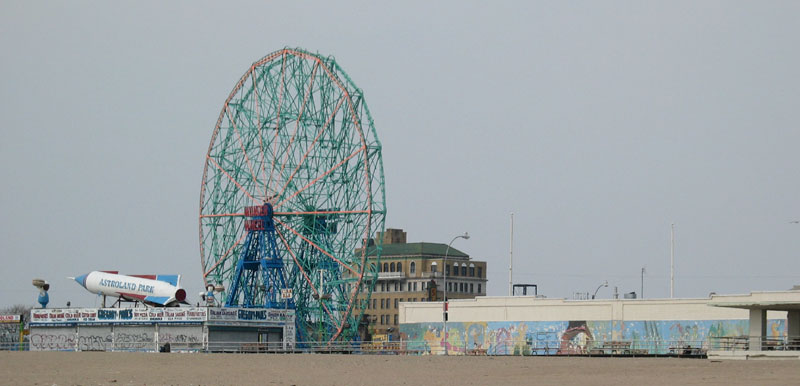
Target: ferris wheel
294,156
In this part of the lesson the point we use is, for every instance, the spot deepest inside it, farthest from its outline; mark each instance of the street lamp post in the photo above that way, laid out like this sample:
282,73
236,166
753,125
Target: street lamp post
605,284
465,236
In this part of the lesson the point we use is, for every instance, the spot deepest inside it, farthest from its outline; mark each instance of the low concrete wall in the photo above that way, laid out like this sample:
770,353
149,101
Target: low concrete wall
531,326
497,309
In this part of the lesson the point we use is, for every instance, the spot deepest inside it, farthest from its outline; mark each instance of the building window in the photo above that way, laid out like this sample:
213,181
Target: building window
461,287
399,267
385,267
463,269
396,286
433,267
423,286
391,267
383,302
383,287
479,287
412,269
375,303
415,286
447,270
450,287
471,288
480,271
396,302
455,269
395,318
472,270
402,287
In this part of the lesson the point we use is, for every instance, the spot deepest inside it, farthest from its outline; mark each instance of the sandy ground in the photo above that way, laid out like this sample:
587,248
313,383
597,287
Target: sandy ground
93,368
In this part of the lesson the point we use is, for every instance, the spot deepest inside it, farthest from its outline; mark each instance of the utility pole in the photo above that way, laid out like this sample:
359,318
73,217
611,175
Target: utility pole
511,259
641,293
672,262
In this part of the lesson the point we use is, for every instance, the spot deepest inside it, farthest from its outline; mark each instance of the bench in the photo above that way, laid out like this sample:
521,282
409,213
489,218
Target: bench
477,351
614,347
251,348
686,350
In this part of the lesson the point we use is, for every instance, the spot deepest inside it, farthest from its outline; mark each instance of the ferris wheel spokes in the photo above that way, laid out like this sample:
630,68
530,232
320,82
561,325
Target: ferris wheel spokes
315,180
232,179
241,145
299,117
317,247
310,147
308,280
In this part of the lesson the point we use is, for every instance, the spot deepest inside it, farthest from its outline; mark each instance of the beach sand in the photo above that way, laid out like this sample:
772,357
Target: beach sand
93,368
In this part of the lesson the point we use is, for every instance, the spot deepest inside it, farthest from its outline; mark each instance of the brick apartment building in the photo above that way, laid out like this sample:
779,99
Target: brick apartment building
412,272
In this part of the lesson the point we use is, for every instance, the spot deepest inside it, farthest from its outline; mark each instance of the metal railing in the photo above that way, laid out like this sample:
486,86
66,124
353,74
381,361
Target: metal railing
600,347
532,347
765,343
391,275
374,347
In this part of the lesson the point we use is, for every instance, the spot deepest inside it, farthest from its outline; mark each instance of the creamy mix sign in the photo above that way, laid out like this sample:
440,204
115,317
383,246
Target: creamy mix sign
117,315
150,315
250,315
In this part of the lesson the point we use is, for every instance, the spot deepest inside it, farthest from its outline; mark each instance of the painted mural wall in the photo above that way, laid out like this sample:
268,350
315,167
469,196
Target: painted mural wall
574,337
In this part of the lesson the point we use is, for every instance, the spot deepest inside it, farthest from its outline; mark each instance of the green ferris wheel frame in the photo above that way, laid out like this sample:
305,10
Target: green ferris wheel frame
296,132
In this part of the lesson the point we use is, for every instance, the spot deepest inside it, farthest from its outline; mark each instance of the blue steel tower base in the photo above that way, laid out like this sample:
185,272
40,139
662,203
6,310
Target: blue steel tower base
259,276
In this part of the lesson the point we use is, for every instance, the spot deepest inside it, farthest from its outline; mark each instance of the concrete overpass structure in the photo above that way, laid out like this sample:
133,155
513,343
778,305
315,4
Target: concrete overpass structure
758,304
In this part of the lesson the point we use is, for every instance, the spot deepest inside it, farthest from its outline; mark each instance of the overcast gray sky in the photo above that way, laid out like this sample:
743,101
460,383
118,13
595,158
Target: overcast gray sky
597,123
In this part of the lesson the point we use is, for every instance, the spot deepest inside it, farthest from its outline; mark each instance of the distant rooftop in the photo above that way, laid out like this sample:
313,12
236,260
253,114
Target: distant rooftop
417,249
395,245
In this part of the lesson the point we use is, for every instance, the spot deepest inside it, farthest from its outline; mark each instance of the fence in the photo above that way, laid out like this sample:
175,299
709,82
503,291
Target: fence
640,347
13,346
